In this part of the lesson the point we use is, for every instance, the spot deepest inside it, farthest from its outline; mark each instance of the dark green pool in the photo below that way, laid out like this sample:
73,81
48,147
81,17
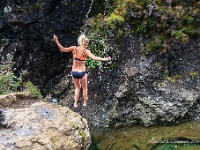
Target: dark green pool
185,136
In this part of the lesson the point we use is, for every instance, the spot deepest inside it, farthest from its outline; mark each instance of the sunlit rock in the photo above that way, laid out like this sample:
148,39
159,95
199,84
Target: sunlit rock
45,126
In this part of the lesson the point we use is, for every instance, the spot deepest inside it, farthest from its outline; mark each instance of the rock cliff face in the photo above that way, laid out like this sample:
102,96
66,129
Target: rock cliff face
27,28
147,90
43,126
134,89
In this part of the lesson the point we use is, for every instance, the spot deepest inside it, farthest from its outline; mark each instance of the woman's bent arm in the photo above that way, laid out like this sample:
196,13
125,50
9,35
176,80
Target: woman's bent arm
62,49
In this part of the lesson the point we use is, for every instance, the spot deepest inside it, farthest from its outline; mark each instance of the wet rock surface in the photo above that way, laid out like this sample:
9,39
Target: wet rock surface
43,126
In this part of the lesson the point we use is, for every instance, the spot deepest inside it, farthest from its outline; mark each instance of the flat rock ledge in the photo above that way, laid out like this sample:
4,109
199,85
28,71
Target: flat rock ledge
44,126
7,100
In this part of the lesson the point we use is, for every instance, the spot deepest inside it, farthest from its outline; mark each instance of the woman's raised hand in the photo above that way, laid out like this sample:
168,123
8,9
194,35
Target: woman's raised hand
55,37
108,58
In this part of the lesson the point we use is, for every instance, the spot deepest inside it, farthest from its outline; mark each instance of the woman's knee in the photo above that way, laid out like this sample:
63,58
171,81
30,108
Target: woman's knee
78,88
84,88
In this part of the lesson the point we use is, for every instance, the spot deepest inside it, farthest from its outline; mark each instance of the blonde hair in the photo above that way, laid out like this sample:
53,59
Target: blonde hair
82,39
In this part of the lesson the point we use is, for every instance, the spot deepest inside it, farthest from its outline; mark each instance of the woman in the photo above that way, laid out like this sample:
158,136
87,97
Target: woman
79,75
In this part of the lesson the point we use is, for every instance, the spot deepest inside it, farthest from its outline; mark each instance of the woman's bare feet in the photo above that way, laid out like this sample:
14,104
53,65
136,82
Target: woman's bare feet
75,105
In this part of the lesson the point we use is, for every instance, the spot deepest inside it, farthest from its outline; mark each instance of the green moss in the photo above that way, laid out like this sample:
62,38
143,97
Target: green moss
114,65
196,14
187,19
33,90
191,30
114,23
141,26
180,36
173,79
193,74
82,133
114,18
133,4
158,64
153,45
97,24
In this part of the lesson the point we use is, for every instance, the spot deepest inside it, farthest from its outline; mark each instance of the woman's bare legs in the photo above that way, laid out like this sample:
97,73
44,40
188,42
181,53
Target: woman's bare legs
77,91
84,87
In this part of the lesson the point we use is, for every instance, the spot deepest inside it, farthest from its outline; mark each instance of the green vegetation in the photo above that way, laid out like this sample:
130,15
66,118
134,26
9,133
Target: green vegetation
173,23
164,25
98,46
32,90
10,83
91,64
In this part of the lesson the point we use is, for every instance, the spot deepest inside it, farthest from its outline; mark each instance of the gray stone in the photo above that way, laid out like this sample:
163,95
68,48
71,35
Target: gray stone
45,126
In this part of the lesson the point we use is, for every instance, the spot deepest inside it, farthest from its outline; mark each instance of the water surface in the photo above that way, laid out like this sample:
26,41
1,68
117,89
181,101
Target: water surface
185,136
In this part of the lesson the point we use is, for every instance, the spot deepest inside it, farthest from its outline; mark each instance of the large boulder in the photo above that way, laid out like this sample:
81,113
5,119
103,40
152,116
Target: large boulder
44,126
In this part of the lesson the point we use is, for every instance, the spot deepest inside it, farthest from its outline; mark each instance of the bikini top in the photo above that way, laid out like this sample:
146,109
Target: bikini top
77,53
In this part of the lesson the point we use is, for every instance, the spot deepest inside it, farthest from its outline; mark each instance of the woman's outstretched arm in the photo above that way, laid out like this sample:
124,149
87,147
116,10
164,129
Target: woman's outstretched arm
89,54
62,49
